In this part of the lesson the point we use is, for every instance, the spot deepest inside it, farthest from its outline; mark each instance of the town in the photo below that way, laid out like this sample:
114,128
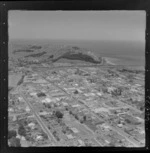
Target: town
76,106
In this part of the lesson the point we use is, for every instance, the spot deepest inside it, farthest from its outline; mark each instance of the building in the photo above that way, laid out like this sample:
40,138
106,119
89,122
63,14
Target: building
99,94
74,130
31,125
48,100
27,109
33,93
39,137
69,136
81,143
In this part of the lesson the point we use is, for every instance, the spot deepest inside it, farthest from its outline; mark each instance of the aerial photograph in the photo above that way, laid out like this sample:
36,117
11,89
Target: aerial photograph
76,78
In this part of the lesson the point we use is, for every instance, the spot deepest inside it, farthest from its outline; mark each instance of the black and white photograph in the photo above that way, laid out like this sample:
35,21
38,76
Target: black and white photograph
76,78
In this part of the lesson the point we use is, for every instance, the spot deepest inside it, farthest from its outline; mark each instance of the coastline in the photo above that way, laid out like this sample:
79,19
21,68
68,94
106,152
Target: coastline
110,61
116,61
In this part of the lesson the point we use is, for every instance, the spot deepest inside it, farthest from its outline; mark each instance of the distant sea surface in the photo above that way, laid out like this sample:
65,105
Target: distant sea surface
121,52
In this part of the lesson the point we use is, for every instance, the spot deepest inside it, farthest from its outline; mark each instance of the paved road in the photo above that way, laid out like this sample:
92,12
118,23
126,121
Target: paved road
44,127
94,136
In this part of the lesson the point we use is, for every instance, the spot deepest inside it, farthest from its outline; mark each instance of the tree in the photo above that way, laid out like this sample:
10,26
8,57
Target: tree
22,122
130,78
49,105
54,133
84,118
21,80
10,88
41,94
81,121
28,138
11,133
25,122
104,90
128,121
76,117
21,130
64,130
15,142
76,92
142,108
59,114
51,56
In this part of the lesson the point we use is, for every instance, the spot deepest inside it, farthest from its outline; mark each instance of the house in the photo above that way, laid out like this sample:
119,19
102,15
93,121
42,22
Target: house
20,98
77,105
48,100
65,104
107,141
120,125
74,130
39,137
18,136
99,94
33,93
31,125
69,136
11,110
110,89
27,109
81,143
43,101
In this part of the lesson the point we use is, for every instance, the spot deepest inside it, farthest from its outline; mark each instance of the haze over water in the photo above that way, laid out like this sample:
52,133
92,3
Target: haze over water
123,52
114,34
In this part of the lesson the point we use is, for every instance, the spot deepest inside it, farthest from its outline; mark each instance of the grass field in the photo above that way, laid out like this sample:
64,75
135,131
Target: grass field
13,79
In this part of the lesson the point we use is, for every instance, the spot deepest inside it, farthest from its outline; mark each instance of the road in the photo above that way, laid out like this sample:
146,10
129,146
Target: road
39,120
94,136
75,66
134,142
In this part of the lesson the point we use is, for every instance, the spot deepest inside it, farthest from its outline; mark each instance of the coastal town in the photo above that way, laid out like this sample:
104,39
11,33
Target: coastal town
72,105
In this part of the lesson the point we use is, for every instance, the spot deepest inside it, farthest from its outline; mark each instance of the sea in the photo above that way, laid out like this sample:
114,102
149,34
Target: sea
119,52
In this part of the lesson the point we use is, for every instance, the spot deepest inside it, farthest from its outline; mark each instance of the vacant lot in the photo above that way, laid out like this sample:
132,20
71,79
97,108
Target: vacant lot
14,79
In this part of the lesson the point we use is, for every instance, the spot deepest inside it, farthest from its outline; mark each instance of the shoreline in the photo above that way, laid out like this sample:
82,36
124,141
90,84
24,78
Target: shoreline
109,61
113,61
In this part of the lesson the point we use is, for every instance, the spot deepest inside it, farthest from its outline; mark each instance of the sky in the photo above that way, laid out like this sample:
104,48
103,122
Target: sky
78,25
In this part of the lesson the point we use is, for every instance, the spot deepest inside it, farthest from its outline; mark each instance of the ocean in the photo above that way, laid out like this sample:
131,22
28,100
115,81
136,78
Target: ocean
119,52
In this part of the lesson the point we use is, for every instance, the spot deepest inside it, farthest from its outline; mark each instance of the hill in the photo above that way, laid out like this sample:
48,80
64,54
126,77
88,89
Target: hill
75,53
57,54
